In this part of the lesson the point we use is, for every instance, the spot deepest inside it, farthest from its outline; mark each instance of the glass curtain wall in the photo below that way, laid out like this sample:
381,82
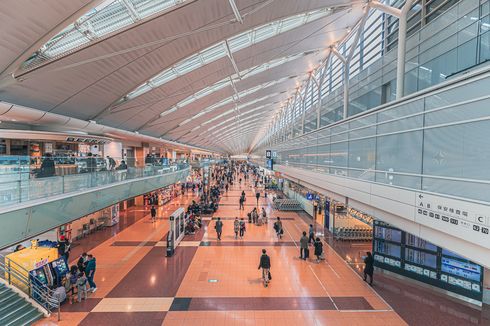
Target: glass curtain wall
446,38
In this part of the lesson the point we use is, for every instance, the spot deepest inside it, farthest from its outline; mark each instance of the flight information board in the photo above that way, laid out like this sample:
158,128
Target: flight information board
406,254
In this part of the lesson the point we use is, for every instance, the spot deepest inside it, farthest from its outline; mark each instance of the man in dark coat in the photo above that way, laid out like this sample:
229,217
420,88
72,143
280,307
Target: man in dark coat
369,267
47,167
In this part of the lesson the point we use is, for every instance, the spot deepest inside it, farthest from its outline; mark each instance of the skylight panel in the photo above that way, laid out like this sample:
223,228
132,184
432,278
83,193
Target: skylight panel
149,7
213,53
140,90
109,16
265,32
240,42
114,17
189,65
164,77
244,40
226,82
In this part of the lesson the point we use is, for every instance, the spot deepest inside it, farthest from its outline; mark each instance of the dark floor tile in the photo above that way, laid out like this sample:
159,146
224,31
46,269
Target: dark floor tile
133,243
244,243
124,318
155,275
261,303
180,304
84,306
352,303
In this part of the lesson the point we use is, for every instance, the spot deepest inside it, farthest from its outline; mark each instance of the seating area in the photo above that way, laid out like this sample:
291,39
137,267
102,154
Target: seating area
92,226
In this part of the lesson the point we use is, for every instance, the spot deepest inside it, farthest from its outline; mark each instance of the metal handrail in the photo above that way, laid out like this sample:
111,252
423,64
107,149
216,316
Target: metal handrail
47,295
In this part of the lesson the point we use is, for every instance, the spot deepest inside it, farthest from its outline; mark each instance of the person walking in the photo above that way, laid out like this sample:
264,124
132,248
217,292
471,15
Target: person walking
303,247
219,228
264,215
278,228
241,201
236,227
90,272
254,216
311,235
153,213
265,264
369,267
318,249
242,228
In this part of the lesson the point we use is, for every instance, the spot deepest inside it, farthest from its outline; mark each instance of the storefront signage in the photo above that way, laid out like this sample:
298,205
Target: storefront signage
268,154
456,217
41,263
88,140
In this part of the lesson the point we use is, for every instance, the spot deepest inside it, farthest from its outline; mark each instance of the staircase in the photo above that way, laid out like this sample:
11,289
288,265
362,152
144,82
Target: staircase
15,310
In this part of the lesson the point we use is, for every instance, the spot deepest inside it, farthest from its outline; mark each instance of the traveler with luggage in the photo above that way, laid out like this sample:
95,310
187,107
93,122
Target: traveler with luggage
278,228
265,264
318,249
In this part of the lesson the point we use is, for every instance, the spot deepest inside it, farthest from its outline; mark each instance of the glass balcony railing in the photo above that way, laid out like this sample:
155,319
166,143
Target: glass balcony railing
24,178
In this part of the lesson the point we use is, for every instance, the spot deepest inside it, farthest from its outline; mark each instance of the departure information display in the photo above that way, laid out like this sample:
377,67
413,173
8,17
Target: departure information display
466,269
414,257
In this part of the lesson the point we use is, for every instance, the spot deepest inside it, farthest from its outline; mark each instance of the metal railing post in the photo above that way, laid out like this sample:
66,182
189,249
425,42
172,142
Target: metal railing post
20,191
9,274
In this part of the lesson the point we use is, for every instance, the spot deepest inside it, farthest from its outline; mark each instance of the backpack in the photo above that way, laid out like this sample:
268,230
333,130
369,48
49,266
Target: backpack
73,279
82,281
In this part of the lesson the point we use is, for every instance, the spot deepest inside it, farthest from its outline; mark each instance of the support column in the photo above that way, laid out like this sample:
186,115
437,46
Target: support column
402,52
346,78
402,40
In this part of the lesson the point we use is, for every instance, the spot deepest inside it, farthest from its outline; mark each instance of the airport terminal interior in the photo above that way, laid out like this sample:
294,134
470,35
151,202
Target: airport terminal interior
244,162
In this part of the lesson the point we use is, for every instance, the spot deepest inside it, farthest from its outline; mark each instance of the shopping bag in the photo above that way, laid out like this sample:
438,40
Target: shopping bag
270,276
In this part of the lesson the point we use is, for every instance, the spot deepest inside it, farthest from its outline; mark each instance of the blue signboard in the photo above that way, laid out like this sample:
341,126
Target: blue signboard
309,196
270,164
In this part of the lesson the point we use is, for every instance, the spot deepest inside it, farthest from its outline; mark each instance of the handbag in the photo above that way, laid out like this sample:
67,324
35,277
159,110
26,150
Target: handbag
270,276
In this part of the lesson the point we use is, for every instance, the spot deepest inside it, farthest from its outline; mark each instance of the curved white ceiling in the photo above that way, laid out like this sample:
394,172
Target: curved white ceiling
153,70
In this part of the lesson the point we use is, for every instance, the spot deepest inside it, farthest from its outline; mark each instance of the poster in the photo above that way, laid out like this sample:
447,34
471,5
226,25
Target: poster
114,215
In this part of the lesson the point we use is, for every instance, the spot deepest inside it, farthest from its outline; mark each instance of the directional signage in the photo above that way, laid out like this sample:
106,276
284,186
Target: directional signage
459,218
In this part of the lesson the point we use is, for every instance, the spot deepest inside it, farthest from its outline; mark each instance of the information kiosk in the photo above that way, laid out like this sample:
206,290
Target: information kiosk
176,232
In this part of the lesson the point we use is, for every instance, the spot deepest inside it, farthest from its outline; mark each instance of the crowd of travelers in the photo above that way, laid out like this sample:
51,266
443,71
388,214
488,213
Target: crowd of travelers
258,217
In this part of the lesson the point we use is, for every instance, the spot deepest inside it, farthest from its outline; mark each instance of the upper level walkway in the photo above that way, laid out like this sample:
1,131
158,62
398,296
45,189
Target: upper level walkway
31,204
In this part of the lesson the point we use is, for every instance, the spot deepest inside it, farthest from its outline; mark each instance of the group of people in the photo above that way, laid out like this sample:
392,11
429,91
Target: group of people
257,218
305,241
79,281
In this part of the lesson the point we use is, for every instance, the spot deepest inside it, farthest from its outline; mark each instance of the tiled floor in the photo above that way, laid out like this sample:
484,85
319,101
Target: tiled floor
211,282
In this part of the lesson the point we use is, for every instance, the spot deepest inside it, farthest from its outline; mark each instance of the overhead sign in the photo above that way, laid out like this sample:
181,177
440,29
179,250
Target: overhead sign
268,154
461,219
